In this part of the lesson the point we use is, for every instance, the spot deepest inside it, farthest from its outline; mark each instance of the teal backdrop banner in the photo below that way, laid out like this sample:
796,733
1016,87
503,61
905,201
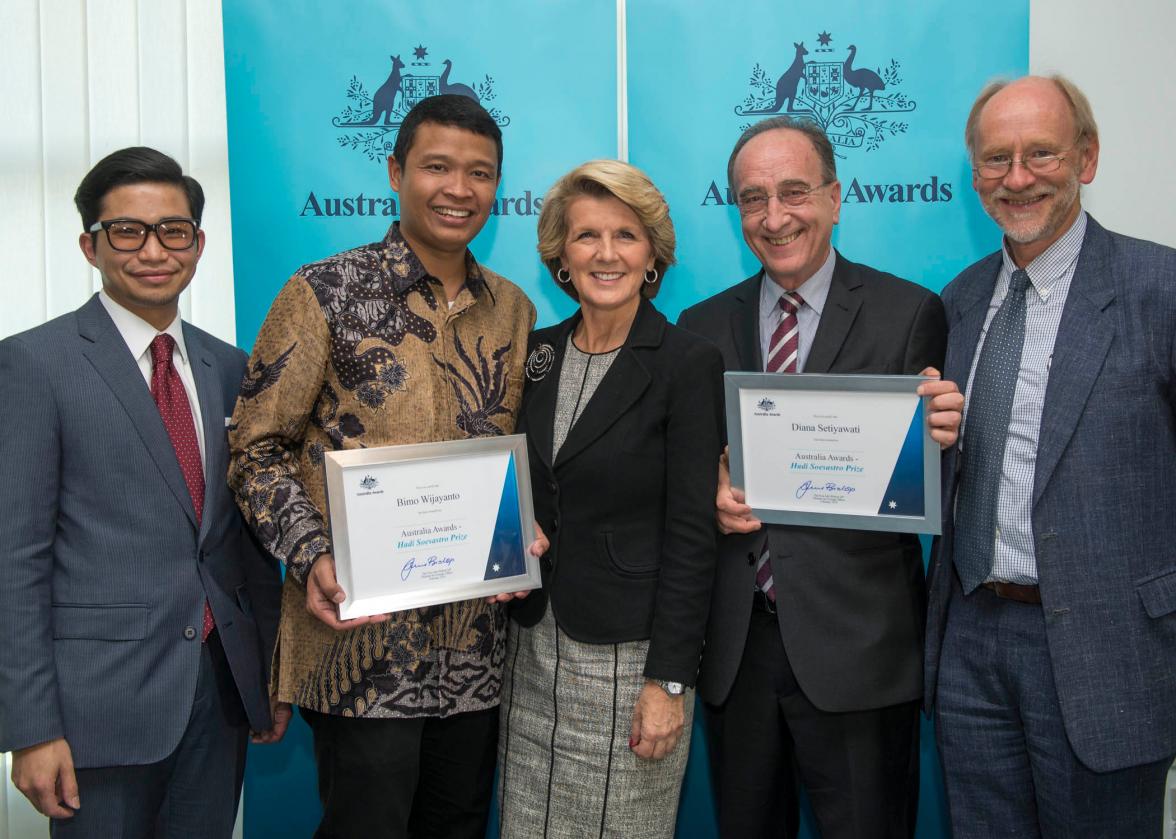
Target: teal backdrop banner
891,84
315,96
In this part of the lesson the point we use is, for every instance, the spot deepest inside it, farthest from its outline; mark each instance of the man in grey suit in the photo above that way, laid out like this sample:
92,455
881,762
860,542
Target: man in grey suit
1051,637
137,615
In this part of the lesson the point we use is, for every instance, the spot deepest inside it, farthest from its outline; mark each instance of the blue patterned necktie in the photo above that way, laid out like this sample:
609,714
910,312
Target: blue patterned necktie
986,431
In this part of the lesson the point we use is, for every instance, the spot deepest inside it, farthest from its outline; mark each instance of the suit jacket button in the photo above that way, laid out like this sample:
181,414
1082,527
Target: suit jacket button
555,523
551,485
189,632
750,558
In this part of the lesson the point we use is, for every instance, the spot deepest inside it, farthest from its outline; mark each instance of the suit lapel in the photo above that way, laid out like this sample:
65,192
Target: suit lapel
968,319
1084,337
745,326
212,413
540,405
106,350
841,308
621,386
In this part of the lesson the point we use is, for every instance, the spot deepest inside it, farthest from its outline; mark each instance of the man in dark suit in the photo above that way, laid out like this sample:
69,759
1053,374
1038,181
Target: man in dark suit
1051,642
137,616
814,647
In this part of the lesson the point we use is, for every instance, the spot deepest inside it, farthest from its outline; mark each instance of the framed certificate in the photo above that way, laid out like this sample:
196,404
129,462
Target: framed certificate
430,523
849,451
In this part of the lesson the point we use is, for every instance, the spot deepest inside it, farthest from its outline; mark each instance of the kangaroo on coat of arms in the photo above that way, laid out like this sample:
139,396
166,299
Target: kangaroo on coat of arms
853,105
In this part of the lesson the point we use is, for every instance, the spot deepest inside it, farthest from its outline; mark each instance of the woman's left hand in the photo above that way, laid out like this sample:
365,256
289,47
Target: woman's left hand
657,722
539,547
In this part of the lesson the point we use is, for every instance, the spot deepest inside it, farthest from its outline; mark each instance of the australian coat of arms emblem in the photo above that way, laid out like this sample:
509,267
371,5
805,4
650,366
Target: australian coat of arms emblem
377,116
856,106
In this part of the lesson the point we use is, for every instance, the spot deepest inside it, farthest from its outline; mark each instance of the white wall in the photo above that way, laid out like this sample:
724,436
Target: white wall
78,80
81,78
1119,52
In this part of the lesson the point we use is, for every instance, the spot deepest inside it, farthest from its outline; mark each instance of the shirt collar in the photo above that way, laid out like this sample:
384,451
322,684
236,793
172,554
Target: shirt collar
406,269
1054,262
138,333
814,291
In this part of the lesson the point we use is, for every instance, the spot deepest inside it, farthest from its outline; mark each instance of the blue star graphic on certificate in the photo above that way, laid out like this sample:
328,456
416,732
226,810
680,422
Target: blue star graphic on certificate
496,567
893,505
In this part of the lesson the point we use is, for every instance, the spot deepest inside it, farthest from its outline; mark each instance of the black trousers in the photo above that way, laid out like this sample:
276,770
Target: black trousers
860,768
400,778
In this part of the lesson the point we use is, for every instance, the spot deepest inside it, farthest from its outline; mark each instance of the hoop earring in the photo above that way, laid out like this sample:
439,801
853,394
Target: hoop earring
562,276
651,280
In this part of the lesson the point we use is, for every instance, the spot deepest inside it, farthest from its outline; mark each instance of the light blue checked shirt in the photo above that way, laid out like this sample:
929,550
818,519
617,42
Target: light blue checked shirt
1045,298
813,291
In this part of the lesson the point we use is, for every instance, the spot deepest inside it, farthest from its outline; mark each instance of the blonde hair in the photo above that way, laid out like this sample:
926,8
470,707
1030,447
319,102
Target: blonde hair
1080,109
607,179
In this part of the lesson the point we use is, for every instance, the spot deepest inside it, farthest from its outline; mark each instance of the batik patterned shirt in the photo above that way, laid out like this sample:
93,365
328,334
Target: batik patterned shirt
361,350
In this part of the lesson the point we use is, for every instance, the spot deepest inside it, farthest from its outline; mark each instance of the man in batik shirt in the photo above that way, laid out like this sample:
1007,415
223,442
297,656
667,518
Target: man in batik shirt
405,340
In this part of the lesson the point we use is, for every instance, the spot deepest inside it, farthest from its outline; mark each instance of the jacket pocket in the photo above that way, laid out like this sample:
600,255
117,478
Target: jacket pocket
1158,593
100,622
604,540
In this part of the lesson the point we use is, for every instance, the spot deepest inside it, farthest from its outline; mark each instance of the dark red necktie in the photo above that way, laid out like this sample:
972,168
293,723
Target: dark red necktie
784,349
168,392
783,353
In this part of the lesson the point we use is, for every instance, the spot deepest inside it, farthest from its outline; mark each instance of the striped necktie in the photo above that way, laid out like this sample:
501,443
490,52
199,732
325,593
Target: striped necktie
783,354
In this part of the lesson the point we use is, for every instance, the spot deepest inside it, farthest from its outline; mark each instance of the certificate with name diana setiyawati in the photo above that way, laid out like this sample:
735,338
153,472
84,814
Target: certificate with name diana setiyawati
430,523
851,451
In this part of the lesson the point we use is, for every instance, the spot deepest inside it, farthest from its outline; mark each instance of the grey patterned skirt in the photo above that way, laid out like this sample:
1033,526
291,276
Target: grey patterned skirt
565,767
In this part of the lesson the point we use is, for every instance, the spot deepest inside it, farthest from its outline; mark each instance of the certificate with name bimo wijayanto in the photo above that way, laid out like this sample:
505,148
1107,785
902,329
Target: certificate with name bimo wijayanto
430,523
850,451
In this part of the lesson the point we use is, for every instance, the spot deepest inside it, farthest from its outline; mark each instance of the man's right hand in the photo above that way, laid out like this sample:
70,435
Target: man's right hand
45,774
323,596
731,512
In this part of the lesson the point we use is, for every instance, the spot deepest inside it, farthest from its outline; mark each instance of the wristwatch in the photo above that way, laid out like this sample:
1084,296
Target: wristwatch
672,688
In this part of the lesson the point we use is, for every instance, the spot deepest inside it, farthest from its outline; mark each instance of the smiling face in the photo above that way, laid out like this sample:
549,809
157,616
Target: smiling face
607,253
1026,118
790,242
146,282
446,189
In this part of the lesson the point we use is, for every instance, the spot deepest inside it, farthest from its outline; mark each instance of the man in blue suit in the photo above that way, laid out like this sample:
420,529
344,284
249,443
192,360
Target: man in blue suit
1051,634
137,617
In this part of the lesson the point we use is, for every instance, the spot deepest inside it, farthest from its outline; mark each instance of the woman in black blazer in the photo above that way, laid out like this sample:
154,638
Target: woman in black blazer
623,415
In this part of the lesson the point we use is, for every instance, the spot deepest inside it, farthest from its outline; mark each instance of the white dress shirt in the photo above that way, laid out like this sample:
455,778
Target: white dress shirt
1015,560
813,291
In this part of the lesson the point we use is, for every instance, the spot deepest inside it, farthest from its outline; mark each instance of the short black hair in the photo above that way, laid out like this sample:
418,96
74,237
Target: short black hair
450,109
134,165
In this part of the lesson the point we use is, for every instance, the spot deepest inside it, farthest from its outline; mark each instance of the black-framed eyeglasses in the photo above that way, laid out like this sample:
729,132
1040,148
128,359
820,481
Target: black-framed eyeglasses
130,234
793,196
1038,161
